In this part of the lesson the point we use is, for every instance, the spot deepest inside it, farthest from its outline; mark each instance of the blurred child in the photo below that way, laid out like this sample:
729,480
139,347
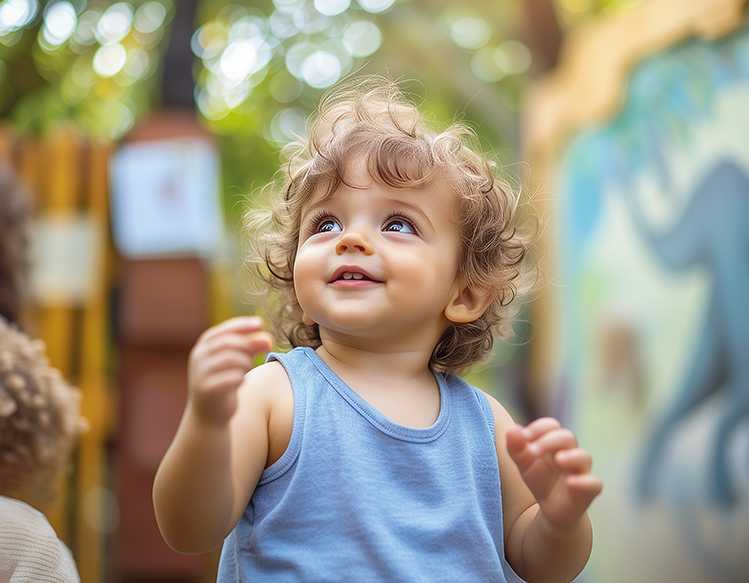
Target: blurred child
39,420
360,455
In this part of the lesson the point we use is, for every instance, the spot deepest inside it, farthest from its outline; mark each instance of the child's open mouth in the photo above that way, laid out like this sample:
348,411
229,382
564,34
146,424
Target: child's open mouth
352,276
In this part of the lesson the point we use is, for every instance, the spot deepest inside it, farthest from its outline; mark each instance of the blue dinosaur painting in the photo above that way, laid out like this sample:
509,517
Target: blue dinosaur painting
654,253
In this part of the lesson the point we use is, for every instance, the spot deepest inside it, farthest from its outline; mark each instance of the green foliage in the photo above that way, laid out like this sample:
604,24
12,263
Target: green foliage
260,68
90,64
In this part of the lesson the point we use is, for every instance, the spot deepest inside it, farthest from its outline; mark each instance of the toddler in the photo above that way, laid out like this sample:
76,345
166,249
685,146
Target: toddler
359,455
39,420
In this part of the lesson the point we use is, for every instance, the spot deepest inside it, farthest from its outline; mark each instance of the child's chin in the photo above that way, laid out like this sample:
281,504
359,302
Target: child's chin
359,325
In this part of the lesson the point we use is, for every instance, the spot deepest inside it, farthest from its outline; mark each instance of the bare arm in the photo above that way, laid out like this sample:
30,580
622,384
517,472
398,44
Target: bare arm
546,489
547,553
204,481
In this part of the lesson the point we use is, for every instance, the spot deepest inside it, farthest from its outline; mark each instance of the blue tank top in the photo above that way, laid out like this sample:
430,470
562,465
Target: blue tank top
356,497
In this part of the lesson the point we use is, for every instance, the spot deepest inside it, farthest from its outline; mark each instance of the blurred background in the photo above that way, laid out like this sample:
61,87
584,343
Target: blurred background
140,132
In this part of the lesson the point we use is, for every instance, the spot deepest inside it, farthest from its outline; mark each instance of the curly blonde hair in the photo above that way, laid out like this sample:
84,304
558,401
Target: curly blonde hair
372,117
39,412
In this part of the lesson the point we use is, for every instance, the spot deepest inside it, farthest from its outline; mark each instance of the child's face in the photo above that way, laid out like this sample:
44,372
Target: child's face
406,241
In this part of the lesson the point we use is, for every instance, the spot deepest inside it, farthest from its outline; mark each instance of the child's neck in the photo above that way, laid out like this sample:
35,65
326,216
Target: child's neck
374,359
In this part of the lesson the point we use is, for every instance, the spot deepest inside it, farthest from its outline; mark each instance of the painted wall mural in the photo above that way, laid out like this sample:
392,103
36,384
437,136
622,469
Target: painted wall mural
653,212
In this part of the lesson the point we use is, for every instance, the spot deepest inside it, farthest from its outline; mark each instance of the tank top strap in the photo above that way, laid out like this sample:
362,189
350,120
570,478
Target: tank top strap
301,374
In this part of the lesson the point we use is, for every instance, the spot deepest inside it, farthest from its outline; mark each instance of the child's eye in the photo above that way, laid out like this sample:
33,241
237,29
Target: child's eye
328,226
398,225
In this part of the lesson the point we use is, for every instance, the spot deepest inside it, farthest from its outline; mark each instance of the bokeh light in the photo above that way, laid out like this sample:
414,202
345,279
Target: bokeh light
321,69
282,25
296,55
90,61
287,125
313,42
513,56
109,59
375,6
331,7
491,64
209,40
85,32
470,32
138,63
60,21
244,57
150,17
115,23
362,38
15,14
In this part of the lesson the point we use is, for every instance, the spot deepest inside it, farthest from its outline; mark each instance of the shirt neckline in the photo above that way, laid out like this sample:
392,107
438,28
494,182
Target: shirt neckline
377,418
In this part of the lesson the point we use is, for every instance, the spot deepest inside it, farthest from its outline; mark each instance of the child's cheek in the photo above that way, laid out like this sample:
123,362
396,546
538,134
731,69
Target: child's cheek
417,275
306,277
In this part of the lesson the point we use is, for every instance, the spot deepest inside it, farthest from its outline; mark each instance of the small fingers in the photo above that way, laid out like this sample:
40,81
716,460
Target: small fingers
525,445
251,344
516,442
574,461
228,359
516,439
539,427
225,380
260,342
242,324
553,441
584,489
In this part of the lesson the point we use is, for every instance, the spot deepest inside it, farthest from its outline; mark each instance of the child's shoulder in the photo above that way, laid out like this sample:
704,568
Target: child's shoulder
266,383
268,386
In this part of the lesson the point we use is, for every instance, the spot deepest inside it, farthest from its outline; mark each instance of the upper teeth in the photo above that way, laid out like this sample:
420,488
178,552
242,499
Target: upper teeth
349,275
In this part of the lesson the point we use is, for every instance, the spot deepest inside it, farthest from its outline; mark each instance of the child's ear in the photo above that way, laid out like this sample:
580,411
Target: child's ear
467,304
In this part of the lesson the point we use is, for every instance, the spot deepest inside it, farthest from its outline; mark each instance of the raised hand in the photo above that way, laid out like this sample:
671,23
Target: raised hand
555,470
218,362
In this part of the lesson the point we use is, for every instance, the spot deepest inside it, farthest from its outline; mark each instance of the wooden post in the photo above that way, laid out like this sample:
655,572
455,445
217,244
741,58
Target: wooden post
93,520
55,167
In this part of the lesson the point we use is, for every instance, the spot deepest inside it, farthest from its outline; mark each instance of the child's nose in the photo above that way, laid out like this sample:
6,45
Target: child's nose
353,242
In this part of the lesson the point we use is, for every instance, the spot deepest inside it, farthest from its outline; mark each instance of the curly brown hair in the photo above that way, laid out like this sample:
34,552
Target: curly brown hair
371,117
14,243
39,412
15,213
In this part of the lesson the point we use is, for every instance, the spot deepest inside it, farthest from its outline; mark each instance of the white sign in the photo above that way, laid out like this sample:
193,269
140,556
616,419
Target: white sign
165,198
66,255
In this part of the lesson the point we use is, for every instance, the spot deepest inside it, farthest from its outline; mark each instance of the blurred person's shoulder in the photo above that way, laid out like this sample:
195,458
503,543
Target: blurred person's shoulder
15,514
29,547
